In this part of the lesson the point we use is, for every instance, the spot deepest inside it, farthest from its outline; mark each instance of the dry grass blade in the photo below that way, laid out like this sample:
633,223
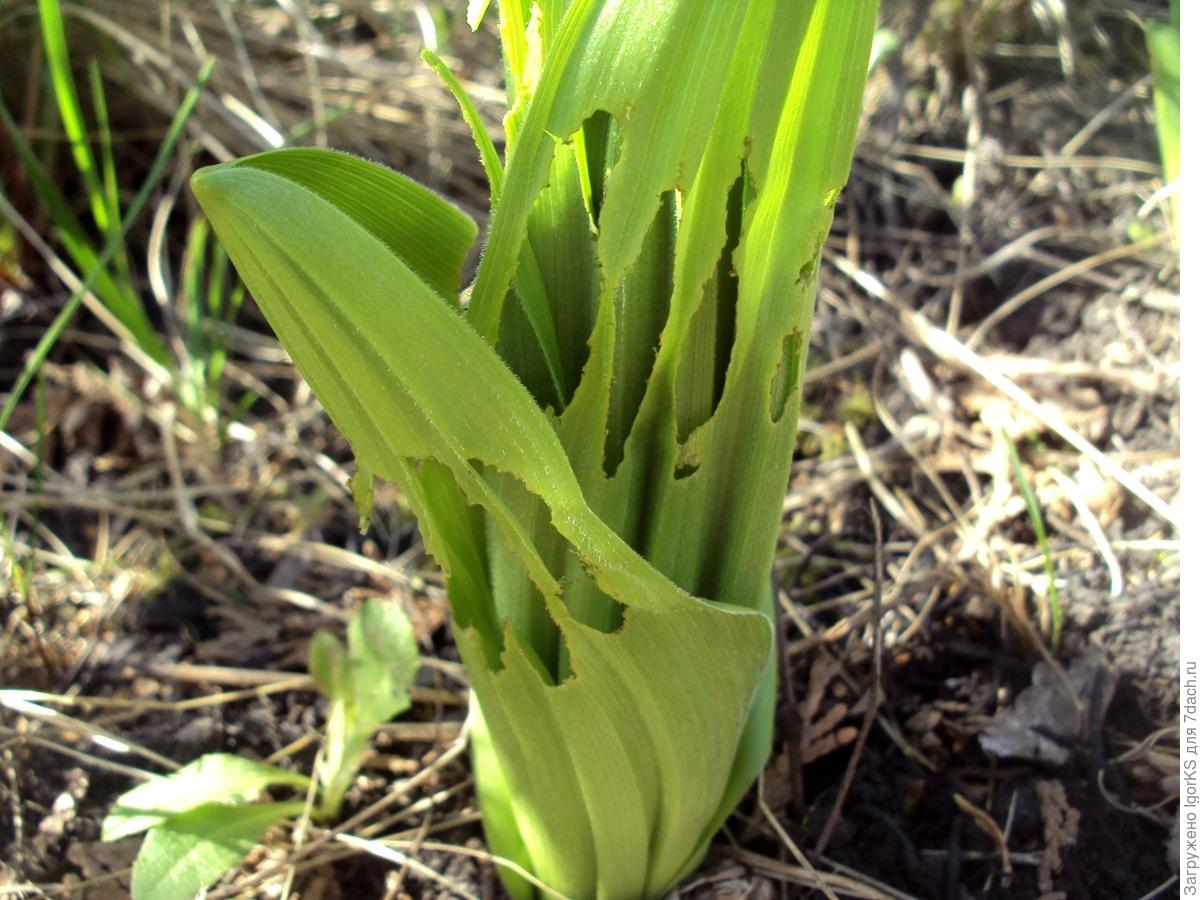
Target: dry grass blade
28,704
394,855
846,885
391,849
988,825
945,346
818,879
1094,528
1063,275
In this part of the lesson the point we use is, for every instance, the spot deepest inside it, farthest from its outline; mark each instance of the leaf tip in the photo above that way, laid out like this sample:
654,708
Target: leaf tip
202,185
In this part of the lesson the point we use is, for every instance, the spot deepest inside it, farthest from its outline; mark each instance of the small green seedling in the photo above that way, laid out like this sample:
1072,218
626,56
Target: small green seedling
203,819
367,681
1034,509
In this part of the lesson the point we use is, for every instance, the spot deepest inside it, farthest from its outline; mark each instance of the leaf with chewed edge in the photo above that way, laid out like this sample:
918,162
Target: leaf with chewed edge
405,377
613,749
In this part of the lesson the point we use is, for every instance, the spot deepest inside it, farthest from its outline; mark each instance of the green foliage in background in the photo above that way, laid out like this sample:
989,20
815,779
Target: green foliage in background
113,284
96,244
598,447
1162,40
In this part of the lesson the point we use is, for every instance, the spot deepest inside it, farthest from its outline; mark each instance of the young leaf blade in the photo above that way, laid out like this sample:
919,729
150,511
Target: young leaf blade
327,664
382,652
187,852
211,778
430,234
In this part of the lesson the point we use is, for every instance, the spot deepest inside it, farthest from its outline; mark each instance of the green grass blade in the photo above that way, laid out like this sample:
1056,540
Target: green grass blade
55,40
108,167
1034,509
117,296
1163,43
220,314
162,157
192,381
192,281
530,287
59,210
490,158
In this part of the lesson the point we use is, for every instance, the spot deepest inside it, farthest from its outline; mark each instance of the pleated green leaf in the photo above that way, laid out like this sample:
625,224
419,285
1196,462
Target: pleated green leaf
407,379
598,449
431,235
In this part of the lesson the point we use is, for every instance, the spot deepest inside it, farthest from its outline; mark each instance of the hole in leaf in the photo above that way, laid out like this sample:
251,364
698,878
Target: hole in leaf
787,372
519,347
683,471
601,143
640,303
507,593
564,264
709,343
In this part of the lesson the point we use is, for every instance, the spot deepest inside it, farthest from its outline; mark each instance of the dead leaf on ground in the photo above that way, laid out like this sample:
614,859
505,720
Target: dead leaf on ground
1048,717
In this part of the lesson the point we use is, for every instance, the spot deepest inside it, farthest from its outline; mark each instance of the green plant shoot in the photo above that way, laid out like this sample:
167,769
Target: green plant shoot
597,448
201,820
367,682
1034,509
